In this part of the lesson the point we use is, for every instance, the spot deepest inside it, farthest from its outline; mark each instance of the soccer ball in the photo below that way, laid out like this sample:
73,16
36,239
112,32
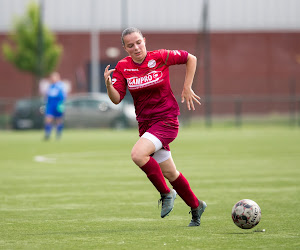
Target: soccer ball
246,214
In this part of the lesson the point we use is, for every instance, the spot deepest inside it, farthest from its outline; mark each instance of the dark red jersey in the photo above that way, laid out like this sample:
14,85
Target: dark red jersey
149,83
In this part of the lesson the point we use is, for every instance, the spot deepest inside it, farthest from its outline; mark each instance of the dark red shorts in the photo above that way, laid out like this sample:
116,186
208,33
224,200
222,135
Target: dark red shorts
165,130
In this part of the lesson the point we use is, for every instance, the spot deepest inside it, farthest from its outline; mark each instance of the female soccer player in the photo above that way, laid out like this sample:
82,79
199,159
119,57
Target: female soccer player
146,75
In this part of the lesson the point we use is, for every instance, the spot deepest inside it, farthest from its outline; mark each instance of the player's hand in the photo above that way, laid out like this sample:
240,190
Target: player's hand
107,77
189,95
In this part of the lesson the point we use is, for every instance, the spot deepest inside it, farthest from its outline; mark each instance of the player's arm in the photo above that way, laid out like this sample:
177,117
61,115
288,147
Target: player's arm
111,91
188,94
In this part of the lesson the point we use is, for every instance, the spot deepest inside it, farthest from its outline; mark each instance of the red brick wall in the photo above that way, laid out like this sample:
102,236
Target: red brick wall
255,64
241,63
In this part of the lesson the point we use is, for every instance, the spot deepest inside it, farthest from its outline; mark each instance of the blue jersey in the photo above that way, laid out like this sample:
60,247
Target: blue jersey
55,98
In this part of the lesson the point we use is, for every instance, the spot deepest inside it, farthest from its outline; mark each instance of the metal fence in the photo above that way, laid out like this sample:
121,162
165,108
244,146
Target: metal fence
231,110
240,110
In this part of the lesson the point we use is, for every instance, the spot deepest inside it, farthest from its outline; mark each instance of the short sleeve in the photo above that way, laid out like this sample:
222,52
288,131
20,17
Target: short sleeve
172,57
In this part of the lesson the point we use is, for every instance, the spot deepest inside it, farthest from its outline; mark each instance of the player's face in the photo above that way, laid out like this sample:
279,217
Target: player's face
54,77
135,46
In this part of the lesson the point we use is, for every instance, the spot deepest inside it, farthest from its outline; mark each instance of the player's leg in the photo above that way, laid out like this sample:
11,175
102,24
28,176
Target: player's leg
59,126
140,155
48,125
141,151
167,165
182,187
179,182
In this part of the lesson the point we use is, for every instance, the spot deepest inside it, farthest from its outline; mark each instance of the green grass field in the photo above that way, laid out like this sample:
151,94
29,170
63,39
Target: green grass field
83,192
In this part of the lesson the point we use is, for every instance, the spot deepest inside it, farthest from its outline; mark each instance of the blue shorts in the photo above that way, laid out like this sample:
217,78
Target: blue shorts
52,110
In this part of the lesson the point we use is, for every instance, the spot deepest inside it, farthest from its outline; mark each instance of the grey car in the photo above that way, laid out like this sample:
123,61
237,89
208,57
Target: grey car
28,113
96,110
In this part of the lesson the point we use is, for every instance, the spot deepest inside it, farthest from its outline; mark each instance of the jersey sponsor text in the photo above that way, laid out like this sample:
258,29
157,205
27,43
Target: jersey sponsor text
144,81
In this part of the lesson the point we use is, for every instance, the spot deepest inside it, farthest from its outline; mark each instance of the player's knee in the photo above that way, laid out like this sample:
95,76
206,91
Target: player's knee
171,174
48,120
137,156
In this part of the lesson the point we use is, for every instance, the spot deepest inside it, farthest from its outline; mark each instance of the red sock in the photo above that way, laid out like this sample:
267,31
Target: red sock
154,174
182,187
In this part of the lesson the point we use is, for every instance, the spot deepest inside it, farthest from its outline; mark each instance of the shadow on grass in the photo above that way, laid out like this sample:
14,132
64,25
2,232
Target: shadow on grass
248,232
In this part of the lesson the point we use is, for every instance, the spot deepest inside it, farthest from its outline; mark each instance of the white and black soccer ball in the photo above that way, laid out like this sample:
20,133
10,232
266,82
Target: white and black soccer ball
246,214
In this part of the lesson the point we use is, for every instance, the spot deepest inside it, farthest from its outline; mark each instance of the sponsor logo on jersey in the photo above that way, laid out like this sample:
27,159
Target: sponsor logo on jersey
131,69
176,52
113,81
151,64
144,81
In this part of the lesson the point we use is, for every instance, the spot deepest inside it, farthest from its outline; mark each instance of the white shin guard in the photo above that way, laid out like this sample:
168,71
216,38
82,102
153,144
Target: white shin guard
160,154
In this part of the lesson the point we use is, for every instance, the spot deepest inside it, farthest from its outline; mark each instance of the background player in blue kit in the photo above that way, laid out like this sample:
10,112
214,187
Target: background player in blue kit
55,97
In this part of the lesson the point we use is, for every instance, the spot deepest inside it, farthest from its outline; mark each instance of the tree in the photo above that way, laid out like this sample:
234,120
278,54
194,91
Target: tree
32,47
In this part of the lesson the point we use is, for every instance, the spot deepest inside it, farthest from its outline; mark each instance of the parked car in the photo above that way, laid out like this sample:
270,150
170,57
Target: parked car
28,114
97,110
81,111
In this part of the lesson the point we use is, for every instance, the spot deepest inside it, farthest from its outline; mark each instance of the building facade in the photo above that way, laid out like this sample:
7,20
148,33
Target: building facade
252,46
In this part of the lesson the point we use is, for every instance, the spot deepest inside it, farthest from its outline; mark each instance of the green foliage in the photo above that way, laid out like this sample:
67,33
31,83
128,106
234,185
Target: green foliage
23,48
84,192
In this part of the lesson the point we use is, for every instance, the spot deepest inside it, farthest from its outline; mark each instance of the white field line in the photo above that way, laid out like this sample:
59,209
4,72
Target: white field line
71,157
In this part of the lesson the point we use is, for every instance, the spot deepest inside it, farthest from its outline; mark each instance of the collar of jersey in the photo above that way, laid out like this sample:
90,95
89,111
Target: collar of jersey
139,64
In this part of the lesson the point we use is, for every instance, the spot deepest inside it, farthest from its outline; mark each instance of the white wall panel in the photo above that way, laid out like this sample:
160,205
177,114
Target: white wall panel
160,15
254,14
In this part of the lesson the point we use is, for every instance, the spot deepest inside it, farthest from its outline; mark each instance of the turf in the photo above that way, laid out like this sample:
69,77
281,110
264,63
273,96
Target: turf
83,192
